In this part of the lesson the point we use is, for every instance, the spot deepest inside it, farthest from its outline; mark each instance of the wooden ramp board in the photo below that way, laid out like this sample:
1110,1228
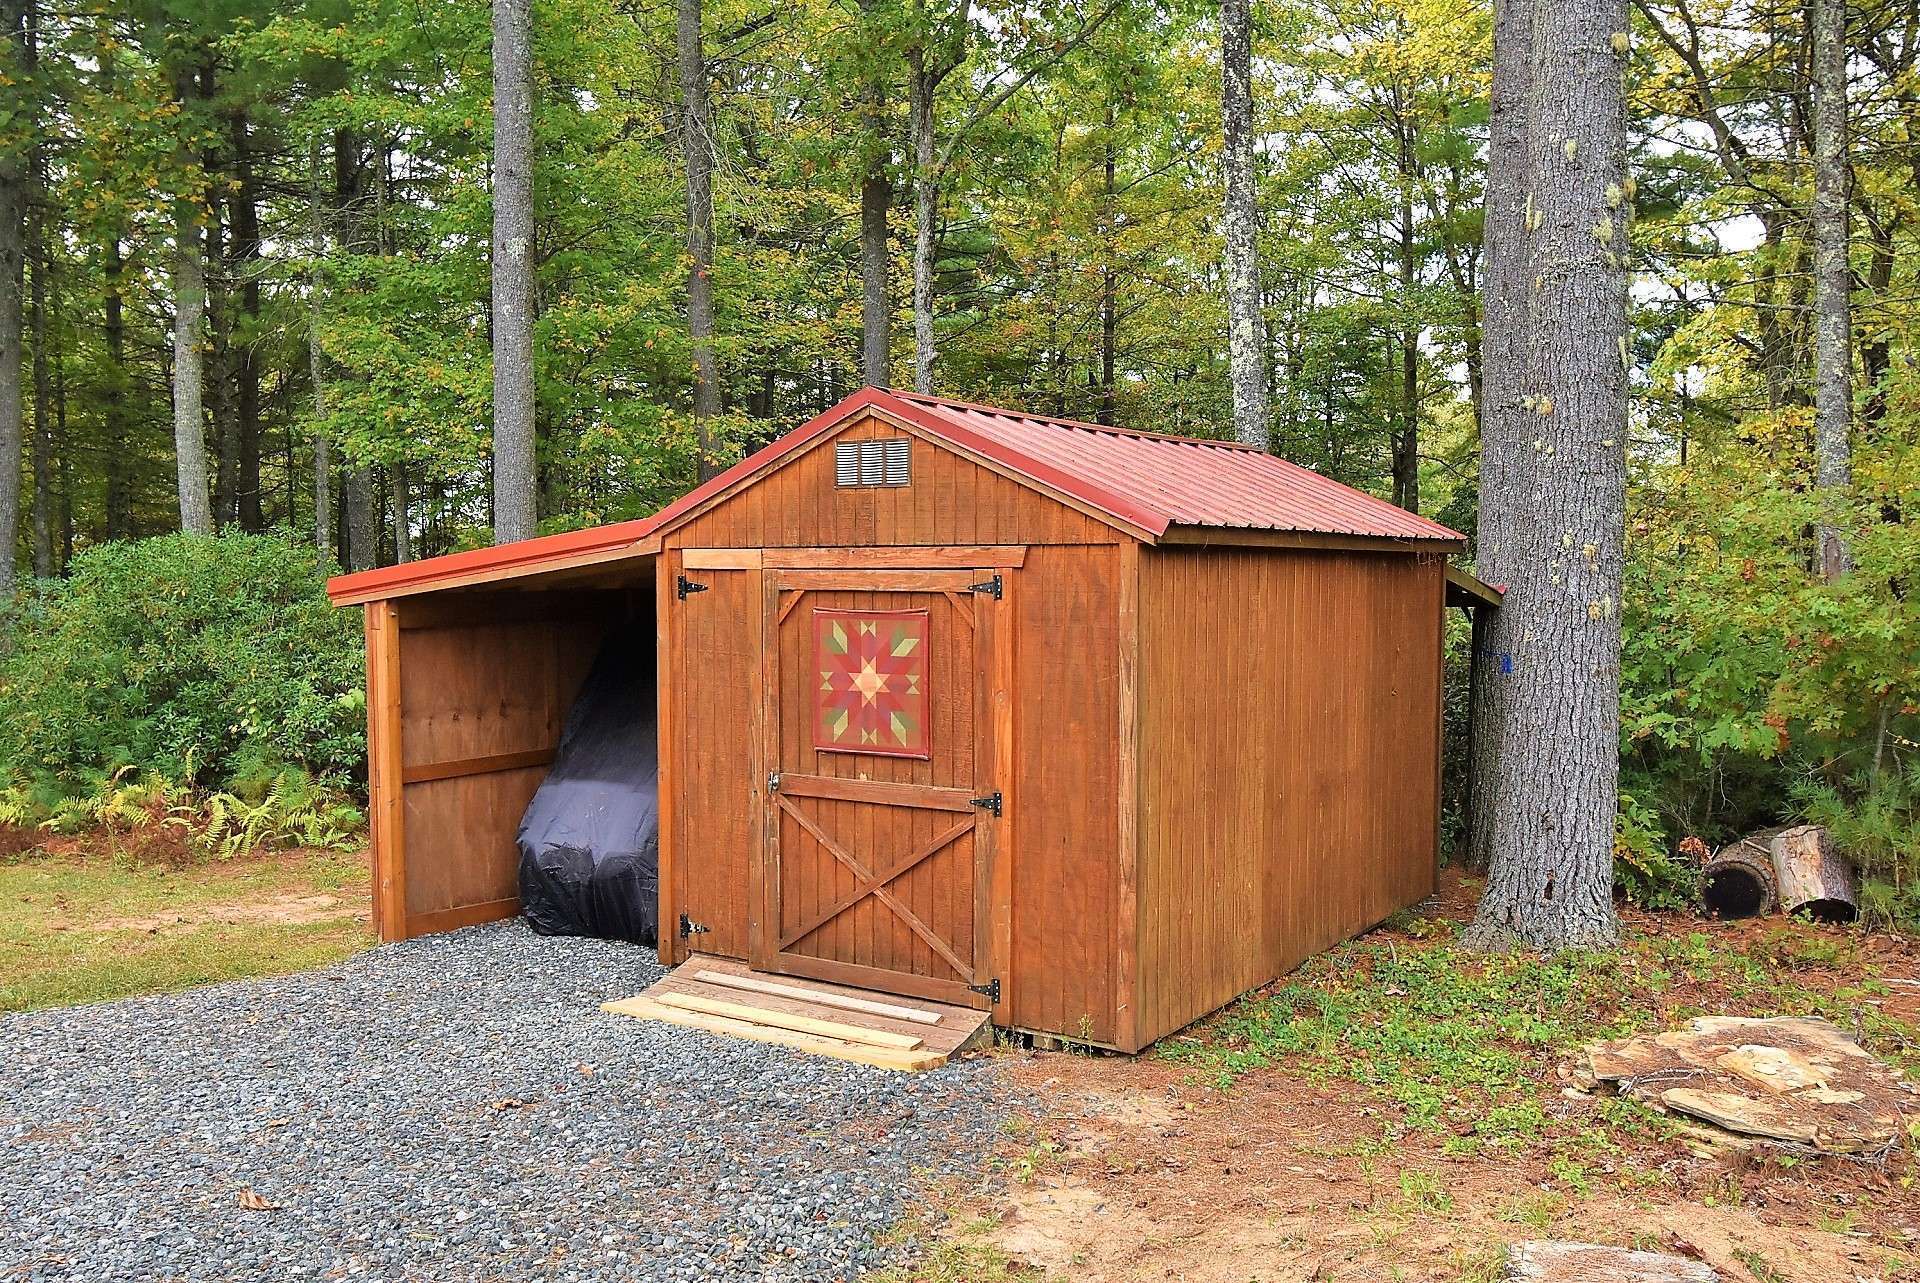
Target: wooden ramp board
726,997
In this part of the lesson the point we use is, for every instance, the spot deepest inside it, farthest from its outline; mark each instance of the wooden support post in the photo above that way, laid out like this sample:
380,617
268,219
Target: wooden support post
386,810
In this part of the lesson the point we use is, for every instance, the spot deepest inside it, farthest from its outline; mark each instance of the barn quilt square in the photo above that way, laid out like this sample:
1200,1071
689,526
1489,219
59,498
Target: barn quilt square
873,682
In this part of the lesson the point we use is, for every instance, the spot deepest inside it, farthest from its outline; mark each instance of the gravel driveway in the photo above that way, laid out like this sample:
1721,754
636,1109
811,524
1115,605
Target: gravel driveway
451,1108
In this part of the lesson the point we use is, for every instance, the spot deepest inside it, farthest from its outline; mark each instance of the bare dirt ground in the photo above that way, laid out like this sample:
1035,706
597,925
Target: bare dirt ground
1149,1168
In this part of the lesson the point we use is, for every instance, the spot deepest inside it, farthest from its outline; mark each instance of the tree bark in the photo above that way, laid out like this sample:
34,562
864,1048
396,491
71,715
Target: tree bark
1550,882
1406,443
1109,275
118,464
13,218
514,511
37,259
924,81
696,142
1503,371
1246,356
363,520
401,508
42,448
876,201
316,359
244,219
189,352
1833,279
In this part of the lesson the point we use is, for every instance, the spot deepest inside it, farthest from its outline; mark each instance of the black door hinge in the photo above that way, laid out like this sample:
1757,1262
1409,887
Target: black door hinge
991,587
991,802
688,927
686,586
990,990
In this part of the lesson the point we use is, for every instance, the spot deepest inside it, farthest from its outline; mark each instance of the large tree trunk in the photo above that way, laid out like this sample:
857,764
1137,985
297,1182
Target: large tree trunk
1833,337
37,259
1406,441
117,463
244,219
1550,882
925,81
13,218
514,513
696,142
1503,372
363,520
1246,355
42,450
1109,275
316,360
189,353
876,201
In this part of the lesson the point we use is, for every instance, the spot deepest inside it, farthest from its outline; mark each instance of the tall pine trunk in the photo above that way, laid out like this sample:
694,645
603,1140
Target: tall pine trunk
37,260
244,219
696,143
1550,881
118,463
316,357
189,322
1406,442
1109,274
1833,278
514,511
1503,373
924,82
876,202
1246,354
13,237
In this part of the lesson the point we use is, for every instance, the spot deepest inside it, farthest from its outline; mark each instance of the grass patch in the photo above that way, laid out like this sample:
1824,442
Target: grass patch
88,930
958,1250
1467,1044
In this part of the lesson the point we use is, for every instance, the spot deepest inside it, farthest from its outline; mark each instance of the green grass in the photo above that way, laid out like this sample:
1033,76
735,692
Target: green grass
1467,1044
59,943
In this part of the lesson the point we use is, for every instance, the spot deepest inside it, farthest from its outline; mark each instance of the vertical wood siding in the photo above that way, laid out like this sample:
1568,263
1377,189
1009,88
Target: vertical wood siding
1288,762
482,676
1063,821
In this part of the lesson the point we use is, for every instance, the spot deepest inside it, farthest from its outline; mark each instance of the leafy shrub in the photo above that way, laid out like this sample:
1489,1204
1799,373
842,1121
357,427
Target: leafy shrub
1643,868
182,658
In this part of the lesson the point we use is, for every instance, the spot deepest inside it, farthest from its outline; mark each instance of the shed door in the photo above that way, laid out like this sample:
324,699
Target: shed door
880,816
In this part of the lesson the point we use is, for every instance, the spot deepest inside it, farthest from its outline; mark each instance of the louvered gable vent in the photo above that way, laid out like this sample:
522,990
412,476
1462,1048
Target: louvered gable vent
879,462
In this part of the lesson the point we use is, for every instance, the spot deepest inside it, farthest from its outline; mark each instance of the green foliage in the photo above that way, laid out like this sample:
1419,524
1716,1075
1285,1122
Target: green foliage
186,658
1643,868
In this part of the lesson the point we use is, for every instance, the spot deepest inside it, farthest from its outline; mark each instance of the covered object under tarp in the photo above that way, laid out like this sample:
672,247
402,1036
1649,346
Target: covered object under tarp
590,840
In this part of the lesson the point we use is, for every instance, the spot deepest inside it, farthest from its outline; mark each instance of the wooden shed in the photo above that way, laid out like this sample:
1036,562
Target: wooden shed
1094,729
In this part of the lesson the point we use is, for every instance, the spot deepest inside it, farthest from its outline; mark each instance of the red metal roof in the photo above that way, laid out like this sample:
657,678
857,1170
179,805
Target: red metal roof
1184,481
1145,481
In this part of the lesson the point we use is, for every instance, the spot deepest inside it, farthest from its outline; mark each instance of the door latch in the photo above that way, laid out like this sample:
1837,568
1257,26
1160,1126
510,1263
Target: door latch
773,781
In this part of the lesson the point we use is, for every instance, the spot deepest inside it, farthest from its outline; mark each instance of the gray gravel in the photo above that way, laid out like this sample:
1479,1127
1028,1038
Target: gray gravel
370,1101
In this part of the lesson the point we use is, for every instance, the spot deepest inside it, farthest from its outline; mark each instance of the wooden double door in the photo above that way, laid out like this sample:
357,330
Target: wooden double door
885,724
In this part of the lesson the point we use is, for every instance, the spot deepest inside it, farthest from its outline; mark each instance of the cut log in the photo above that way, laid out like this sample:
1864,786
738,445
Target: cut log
1738,881
1815,880
1551,1262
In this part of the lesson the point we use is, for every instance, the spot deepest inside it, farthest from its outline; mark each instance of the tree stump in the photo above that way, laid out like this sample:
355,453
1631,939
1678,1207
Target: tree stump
1814,879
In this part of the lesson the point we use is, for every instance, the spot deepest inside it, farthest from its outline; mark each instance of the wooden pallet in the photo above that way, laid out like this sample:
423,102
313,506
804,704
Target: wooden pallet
725,997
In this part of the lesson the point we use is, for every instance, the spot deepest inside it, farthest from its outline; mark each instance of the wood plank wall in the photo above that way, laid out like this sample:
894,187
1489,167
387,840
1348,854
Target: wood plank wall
1288,771
485,681
1063,830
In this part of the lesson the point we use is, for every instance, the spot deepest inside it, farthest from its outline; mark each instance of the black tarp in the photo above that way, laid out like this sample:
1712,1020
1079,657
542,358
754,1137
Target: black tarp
590,840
